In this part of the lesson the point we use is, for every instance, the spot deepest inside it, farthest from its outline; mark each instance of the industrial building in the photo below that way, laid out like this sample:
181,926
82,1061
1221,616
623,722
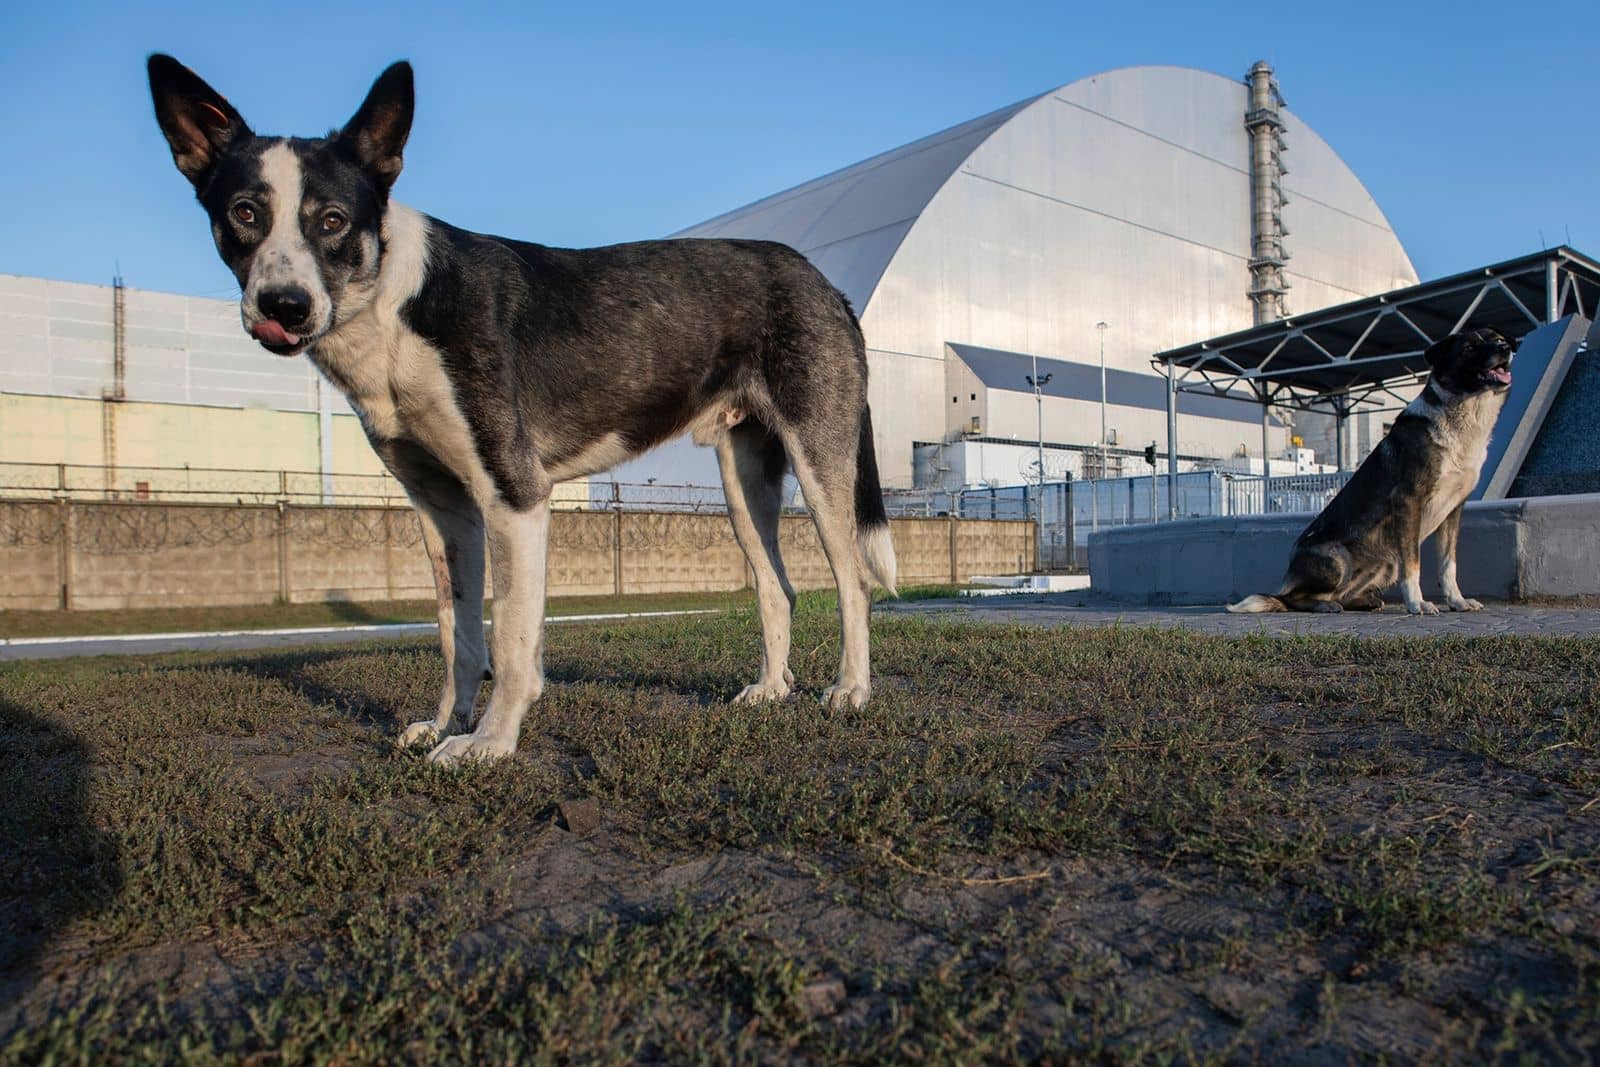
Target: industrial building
1126,213
1061,241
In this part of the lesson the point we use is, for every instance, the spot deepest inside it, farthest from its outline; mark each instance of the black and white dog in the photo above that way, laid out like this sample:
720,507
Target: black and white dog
1410,488
485,370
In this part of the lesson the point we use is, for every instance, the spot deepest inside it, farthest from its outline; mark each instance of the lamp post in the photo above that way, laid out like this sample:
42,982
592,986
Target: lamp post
1038,382
1094,491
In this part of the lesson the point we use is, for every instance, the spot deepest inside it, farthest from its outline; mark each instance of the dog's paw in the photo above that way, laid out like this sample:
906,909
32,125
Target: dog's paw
418,733
470,748
846,696
1327,607
1423,607
1466,604
761,692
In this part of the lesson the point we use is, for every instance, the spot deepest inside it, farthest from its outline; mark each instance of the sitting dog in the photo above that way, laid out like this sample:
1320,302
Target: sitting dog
485,370
1411,486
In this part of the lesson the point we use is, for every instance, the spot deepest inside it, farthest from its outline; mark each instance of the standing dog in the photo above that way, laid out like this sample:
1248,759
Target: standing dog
484,370
1413,484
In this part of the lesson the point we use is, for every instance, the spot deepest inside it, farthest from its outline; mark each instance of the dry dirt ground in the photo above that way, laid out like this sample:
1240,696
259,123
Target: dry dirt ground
1121,844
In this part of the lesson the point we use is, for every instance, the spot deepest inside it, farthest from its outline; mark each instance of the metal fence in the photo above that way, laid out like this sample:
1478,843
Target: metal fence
1068,512
74,481
1256,495
86,482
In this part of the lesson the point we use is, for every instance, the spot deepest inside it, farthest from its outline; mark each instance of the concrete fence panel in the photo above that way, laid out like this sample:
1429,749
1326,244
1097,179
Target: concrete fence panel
122,554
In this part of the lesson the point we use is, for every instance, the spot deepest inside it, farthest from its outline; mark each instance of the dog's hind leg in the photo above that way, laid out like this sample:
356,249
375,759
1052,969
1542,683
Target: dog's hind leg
1445,541
1368,601
752,462
823,455
519,542
453,537
1317,576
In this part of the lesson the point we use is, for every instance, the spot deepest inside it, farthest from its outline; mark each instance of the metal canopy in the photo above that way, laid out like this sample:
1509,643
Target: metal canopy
1338,358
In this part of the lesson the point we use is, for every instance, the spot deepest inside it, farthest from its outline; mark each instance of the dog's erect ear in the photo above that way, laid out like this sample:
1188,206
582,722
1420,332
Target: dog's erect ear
1438,349
198,121
377,134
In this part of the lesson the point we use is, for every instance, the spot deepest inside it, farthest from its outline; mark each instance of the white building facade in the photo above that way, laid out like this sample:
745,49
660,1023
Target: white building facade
1124,198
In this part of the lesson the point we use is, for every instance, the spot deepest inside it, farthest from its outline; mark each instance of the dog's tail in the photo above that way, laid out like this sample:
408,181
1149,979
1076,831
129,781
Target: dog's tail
1257,604
872,521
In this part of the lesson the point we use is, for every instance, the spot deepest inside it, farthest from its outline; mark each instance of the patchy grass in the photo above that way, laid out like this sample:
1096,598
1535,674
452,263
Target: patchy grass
1125,844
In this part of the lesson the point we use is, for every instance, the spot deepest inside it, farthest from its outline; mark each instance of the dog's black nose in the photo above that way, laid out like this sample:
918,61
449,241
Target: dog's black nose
290,308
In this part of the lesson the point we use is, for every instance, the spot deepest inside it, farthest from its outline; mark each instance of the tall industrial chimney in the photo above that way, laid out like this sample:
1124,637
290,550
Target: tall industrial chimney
1267,256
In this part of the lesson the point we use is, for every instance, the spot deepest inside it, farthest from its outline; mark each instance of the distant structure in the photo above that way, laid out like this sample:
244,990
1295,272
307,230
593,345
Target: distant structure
1153,199
126,387
1119,215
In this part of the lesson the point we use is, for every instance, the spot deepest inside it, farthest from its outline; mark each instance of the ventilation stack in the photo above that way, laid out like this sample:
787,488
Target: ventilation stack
118,392
1267,145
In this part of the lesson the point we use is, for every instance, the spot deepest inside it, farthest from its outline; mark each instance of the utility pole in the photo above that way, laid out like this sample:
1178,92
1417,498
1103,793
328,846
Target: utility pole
1101,327
1038,382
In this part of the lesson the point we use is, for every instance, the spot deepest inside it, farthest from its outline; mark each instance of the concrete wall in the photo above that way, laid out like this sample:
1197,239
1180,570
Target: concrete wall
125,554
1510,549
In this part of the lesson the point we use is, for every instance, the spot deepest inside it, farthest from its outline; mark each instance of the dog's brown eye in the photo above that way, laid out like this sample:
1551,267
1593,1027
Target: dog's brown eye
244,213
333,222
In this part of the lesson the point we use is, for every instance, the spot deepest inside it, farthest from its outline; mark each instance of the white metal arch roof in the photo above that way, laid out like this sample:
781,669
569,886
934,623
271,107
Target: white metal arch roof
850,222
853,222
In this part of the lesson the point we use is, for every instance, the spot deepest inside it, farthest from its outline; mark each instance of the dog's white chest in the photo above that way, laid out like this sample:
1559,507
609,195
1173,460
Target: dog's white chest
1463,438
397,382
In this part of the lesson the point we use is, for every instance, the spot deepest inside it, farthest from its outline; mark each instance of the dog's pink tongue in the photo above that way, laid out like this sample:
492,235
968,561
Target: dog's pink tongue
1501,375
269,332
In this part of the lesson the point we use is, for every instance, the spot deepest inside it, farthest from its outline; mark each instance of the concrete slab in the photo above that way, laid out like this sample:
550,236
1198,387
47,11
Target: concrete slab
1529,548
1578,618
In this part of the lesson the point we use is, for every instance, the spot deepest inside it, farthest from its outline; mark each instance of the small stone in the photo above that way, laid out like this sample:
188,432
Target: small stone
821,997
1562,923
579,816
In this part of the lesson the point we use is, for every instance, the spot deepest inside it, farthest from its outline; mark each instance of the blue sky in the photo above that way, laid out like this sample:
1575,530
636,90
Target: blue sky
1474,126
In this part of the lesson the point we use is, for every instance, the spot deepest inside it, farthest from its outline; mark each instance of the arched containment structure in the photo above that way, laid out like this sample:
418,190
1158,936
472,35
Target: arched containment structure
1124,198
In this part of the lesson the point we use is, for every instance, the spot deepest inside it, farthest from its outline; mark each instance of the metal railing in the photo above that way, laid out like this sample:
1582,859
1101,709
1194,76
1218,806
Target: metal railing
1068,512
76,481
89,482
1257,495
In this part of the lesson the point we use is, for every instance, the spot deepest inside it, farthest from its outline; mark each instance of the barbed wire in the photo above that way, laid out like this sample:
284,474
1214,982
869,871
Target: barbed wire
118,529
24,525
125,528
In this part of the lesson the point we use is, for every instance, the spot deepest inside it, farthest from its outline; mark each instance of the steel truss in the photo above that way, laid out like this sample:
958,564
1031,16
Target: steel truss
1367,353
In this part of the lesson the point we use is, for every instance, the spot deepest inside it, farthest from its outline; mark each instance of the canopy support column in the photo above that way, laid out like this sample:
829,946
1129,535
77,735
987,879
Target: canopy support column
1172,442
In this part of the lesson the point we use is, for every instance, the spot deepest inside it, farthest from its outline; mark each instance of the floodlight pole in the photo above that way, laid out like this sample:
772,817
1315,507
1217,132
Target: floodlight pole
1038,383
1172,441
1341,413
1266,463
1100,327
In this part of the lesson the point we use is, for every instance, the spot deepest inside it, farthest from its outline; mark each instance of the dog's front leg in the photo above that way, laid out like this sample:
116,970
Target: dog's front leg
518,550
454,539
1445,541
1411,569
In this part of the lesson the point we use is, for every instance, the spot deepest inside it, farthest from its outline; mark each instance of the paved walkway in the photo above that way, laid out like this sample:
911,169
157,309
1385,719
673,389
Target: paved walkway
1087,609
219,640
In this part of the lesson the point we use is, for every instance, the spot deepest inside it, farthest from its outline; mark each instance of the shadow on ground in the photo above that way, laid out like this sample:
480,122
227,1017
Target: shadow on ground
55,866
